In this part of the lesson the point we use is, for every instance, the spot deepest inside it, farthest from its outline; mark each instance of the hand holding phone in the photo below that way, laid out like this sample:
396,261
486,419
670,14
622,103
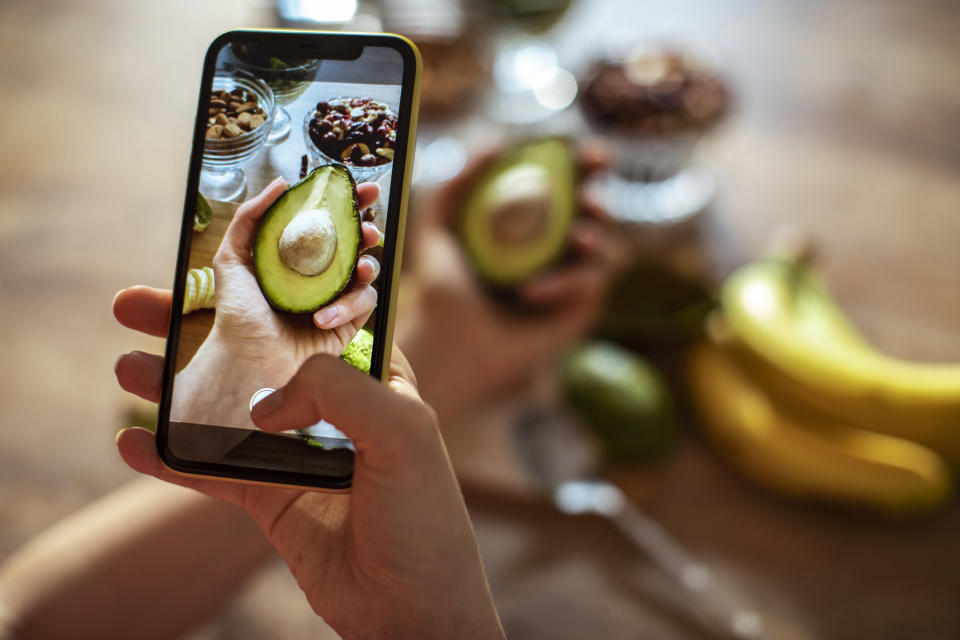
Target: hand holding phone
397,555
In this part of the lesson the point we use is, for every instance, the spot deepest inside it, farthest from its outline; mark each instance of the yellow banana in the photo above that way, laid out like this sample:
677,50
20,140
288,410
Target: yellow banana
806,457
781,312
201,291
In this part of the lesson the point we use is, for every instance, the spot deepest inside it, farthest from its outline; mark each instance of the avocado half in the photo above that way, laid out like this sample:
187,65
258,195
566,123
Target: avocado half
308,241
516,219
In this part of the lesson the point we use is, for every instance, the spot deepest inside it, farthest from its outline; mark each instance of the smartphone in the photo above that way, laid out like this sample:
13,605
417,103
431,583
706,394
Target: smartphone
327,112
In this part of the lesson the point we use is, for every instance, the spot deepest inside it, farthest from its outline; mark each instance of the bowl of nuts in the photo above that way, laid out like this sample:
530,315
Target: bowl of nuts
240,114
288,77
359,133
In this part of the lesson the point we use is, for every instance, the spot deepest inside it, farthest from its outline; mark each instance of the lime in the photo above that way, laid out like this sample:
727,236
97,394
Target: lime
622,398
203,214
359,351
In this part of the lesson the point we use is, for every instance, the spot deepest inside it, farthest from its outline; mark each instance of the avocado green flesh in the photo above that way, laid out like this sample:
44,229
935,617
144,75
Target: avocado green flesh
329,188
359,351
546,162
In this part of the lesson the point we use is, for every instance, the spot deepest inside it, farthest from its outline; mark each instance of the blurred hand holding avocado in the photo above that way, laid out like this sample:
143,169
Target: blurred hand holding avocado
468,339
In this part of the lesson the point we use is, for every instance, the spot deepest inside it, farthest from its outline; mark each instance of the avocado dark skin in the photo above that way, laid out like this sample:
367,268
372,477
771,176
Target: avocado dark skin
330,193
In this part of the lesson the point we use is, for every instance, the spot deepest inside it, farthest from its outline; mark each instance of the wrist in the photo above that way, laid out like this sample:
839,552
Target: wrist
216,385
468,620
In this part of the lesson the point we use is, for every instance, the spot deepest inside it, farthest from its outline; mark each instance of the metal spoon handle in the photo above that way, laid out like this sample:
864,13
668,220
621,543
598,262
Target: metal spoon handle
708,600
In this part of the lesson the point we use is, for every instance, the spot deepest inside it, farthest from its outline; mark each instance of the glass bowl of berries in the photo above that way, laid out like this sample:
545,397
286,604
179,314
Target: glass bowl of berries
653,105
359,133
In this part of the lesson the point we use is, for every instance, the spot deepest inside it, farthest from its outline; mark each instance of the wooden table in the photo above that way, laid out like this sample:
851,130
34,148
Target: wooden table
846,124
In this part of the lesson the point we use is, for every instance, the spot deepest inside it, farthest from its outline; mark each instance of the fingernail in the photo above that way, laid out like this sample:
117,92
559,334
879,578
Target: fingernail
374,264
116,438
277,180
328,315
259,395
117,362
267,406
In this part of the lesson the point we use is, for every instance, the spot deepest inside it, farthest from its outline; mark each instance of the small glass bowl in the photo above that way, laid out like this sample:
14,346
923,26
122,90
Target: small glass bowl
653,178
231,152
318,158
222,179
287,83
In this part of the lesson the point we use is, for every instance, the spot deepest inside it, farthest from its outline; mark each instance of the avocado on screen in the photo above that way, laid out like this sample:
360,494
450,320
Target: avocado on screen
516,220
359,351
203,214
307,244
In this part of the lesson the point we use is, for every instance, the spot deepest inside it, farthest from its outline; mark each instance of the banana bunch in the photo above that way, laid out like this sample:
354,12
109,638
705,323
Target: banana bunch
801,403
201,292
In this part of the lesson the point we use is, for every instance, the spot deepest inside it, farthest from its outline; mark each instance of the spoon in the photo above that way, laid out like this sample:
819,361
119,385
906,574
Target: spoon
564,460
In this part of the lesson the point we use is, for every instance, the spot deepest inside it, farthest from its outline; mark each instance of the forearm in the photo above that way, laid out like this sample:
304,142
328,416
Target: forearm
149,561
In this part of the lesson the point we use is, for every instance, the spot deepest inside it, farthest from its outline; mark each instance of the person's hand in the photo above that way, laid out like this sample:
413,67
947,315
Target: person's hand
251,345
243,315
464,344
396,557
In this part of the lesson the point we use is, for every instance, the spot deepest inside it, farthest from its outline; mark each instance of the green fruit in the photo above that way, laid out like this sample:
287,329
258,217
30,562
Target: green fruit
202,214
516,220
622,398
359,351
307,244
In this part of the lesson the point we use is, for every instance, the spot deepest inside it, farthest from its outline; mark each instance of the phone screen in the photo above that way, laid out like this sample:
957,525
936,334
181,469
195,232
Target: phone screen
326,112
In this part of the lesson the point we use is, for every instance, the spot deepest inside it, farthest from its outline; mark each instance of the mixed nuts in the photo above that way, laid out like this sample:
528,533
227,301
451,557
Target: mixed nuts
356,131
233,113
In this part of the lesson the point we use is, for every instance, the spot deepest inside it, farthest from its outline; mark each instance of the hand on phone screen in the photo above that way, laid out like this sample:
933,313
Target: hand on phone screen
243,313
251,342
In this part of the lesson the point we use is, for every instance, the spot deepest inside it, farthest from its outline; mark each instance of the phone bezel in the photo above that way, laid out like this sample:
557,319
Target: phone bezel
336,45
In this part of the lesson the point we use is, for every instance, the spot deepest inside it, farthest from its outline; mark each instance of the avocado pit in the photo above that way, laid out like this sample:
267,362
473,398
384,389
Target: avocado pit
308,242
521,212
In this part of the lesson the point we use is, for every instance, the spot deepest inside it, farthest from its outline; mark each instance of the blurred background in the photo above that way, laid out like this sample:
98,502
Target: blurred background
738,413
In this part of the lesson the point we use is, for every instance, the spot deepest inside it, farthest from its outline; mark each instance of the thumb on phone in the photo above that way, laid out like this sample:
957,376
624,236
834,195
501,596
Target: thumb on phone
325,388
